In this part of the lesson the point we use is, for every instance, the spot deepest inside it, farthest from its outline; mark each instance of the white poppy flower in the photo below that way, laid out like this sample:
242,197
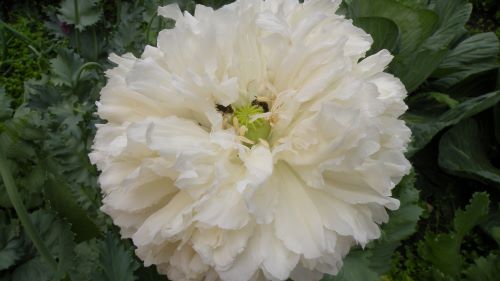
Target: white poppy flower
255,142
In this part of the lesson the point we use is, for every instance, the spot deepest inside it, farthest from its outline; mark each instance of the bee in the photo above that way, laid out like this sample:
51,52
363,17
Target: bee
224,109
261,104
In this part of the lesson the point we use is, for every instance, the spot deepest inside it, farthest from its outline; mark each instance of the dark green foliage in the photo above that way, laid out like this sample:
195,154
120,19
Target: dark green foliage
461,153
52,63
484,269
80,13
384,31
115,261
20,54
451,76
443,250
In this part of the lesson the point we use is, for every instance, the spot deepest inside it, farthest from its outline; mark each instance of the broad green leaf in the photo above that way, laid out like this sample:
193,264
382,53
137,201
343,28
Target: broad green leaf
453,15
476,54
484,269
477,48
65,68
81,13
115,261
462,153
62,201
414,68
415,24
424,128
414,63
355,267
385,33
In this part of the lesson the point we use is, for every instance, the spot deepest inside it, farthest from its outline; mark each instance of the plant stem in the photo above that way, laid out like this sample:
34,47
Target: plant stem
148,29
118,5
94,37
22,214
4,47
77,22
82,68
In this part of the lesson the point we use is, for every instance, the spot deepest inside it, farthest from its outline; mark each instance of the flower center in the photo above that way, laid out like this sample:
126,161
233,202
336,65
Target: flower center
251,127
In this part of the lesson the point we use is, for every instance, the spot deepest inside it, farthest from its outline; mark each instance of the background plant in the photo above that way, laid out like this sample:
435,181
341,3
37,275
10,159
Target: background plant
52,59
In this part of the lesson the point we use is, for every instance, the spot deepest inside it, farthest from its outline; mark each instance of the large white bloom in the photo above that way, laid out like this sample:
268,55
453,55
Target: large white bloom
203,198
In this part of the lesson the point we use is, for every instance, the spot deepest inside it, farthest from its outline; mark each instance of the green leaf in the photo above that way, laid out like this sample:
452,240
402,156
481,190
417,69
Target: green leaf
453,15
86,261
385,33
415,67
462,153
81,13
484,269
65,67
356,267
476,54
422,4
424,128
414,24
91,44
128,32
58,238
491,225
33,269
11,245
402,223
477,209
115,261
443,250
10,252
61,199
5,102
